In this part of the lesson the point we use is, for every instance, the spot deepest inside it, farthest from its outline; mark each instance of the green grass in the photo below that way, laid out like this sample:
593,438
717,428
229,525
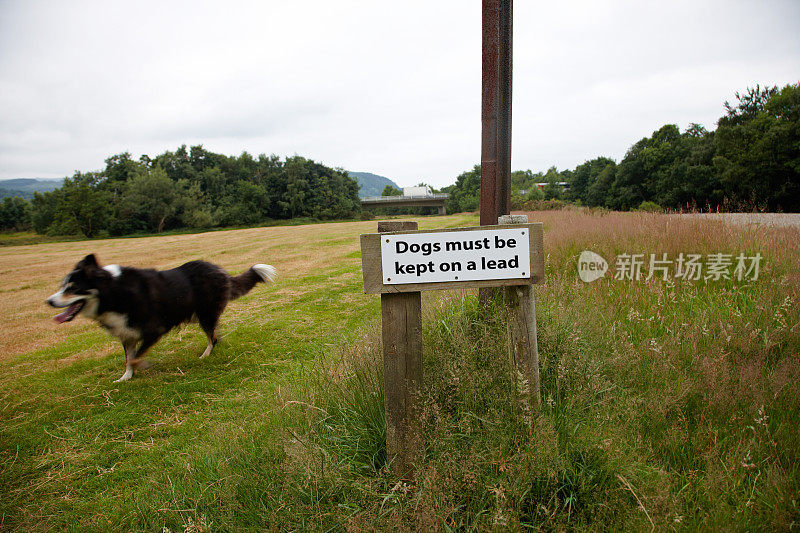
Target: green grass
666,405
23,238
106,448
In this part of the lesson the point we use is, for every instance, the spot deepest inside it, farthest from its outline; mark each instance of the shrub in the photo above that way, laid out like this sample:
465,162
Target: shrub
650,207
543,205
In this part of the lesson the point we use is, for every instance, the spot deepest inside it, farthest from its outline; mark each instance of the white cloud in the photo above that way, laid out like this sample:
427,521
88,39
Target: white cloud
386,87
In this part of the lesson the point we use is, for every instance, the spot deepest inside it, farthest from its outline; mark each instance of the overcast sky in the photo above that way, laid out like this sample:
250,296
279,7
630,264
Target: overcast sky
386,87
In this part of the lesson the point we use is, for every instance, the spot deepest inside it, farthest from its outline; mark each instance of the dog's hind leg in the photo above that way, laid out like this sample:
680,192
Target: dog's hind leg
211,344
209,325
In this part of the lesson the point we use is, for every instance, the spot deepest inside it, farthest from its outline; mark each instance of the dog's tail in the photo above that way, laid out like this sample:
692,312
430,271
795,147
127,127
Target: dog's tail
241,284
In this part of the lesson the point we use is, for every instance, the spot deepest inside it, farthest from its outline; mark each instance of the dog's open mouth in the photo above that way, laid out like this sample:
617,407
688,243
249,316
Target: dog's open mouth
70,313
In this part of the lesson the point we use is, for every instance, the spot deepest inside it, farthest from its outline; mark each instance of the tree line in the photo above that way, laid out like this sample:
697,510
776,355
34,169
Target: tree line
751,161
192,188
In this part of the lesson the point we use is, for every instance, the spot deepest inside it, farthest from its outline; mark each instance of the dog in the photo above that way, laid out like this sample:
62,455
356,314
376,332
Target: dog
139,306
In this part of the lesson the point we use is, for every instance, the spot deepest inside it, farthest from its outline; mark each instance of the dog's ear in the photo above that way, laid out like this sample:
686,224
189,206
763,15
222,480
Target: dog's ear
89,260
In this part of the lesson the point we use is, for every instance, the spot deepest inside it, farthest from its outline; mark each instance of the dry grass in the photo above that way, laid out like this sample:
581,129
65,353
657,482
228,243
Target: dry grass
667,404
29,274
708,371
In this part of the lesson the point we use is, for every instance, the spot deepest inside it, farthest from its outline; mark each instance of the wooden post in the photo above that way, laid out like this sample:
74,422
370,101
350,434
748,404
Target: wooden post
401,315
523,346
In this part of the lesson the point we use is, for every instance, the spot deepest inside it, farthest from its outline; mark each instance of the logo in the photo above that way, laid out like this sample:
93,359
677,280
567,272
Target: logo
684,266
591,266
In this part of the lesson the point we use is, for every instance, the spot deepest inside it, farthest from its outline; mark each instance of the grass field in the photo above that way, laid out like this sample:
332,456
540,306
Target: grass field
667,404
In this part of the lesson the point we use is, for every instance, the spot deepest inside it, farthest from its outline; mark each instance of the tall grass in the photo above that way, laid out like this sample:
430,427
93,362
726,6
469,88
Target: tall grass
667,404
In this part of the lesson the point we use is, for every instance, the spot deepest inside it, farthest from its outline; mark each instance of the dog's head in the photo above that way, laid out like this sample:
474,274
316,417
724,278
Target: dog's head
79,290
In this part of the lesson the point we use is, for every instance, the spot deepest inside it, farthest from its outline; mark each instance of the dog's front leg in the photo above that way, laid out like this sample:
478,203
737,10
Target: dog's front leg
130,355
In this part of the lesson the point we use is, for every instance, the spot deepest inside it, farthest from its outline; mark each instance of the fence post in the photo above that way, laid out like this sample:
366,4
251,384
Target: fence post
401,319
523,346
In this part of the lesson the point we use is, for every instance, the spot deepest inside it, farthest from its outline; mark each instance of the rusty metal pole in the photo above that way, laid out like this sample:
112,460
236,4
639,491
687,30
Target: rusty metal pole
496,111
496,117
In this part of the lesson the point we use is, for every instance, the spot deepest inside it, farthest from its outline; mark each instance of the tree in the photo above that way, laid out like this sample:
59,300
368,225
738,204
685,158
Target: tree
214,184
701,186
194,210
643,166
671,168
391,191
758,148
83,206
193,188
552,191
43,210
247,204
176,164
334,194
296,186
601,190
584,178
151,199
15,213
120,168
465,195
523,179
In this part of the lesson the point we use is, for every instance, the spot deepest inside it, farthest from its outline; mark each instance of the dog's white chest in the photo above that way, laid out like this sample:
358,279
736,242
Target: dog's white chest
117,325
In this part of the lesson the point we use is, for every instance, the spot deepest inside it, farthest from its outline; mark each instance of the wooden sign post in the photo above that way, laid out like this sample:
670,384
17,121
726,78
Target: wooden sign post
401,330
399,262
523,344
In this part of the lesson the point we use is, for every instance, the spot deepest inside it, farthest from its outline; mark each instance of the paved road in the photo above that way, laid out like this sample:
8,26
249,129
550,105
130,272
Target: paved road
790,220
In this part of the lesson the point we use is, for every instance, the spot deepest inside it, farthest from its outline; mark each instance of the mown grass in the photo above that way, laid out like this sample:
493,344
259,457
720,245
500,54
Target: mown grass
668,405
79,452
23,238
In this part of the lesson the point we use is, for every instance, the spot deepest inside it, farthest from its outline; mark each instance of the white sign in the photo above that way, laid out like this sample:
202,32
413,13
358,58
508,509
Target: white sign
456,256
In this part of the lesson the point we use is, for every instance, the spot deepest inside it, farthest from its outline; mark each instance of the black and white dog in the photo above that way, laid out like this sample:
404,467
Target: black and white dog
140,305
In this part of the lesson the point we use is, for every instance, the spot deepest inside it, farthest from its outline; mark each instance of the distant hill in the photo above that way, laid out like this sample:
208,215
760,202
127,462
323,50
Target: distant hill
371,184
25,187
